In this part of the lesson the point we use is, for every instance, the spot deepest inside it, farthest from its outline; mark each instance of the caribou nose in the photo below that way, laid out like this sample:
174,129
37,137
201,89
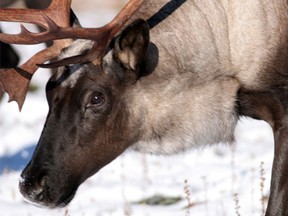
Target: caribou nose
32,189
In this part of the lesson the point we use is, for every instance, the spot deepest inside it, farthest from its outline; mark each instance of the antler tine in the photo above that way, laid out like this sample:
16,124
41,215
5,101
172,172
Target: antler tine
56,31
55,11
123,16
9,15
58,12
57,27
111,29
102,36
15,81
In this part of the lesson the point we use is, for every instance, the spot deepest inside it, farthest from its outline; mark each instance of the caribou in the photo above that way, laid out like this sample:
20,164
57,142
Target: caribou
163,76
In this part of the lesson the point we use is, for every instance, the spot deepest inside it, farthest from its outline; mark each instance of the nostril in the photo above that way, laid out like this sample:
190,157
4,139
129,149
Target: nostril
37,194
32,189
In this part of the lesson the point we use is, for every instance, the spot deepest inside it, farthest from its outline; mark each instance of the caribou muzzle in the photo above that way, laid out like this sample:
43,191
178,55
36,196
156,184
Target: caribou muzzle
41,188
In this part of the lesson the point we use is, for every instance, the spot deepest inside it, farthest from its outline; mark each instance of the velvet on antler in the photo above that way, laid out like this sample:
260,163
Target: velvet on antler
56,22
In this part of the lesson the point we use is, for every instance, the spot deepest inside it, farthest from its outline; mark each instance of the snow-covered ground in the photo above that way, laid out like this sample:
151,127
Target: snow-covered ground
222,180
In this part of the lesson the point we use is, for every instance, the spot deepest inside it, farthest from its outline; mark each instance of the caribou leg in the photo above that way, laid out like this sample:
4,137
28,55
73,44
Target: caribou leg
277,204
272,107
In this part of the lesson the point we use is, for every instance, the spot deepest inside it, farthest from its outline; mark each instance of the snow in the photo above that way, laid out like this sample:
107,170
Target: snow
222,180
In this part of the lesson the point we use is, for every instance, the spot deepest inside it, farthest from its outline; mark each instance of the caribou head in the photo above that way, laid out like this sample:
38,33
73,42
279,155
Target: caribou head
91,122
95,87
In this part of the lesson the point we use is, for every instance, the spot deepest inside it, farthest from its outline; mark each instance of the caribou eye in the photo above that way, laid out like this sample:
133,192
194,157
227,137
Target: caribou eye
97,99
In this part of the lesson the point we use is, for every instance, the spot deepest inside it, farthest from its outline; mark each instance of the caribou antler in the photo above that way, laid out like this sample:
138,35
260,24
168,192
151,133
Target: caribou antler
15,81
56,27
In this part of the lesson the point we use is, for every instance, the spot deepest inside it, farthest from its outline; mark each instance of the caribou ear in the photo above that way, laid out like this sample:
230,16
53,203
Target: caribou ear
132,44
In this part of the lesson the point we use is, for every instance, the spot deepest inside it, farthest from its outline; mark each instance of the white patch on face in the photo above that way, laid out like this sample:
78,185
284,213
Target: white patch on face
71,81
77,48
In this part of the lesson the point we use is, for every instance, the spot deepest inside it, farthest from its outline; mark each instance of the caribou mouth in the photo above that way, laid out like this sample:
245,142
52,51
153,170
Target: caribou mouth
46,204
42,197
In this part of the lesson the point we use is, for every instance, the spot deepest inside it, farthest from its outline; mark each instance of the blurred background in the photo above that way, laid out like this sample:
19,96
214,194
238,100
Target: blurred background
223,180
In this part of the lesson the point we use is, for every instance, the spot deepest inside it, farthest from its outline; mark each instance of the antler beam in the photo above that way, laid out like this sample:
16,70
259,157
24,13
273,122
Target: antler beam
15,81
56,22
55,31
